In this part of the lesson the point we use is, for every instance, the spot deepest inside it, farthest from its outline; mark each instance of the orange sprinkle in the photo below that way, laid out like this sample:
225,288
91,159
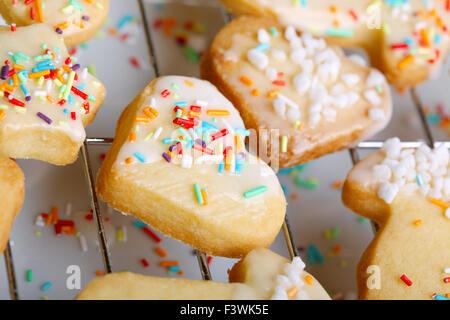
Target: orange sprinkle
246,81
37,75
255,92
300,126
54,214
337,249
15,80
142,119
425,38
333,9
238,142
309,280
129,160
405,62
273,93
218,112
294,196
67,69
194,114
50,99
112,31
132,136
19,67
150,112
180,273
189,83
418,222
99,273
337,184
62,26
205,197
40,16
8,87
49,219
439,203
169,263
161,252
2,114
336,23
292,291
228,159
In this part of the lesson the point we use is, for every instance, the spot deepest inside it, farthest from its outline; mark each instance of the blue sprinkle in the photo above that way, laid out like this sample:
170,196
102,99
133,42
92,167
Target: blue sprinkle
140,157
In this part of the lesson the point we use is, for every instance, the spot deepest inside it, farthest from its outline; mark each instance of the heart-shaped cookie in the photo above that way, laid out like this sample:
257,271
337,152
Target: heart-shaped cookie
407,40
295,86
47,97
261,275
12,184
407,191
178,162
77,21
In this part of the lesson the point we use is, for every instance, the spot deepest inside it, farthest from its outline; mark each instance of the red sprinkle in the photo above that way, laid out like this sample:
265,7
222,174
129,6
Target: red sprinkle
165,93
145,262
406,280
153,235
447,280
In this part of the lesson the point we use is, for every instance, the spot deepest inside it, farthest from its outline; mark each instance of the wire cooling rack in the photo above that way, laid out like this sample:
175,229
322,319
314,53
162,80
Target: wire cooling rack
202,258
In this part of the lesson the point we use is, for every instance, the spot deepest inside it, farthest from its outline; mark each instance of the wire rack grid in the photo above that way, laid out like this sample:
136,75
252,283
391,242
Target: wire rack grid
201,256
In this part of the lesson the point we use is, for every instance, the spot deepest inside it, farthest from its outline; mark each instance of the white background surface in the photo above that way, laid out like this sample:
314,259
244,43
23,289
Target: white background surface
313,213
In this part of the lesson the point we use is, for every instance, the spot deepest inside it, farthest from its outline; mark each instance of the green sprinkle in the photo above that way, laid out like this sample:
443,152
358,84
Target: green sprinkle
310,184
92,70
284,143
255,192
198,193
273,31
29,275
191,55
41,57
339,33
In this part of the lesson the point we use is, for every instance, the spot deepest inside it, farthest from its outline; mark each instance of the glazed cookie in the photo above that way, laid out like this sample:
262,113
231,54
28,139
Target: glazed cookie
261,275
77,21
179,163
407,40
315,98
47,97
407,191
13,190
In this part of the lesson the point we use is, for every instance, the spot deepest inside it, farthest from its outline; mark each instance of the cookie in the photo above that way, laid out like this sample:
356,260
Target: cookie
77,21
12,184
178,162
47,98
407,40
261,275
296,86
407,191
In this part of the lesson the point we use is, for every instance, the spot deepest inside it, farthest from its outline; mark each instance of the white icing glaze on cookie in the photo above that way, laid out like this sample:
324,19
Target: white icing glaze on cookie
159,139
25,49
64,16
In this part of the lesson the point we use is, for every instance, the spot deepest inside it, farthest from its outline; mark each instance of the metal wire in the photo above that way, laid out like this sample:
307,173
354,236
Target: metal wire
202,259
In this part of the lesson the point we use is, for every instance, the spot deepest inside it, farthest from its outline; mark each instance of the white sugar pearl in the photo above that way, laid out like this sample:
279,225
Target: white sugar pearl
315,107
258,59
278,54
350,79
400,182
263,36
375,78
290,33
307,66
438,183
399,171
279,295
186,161
280,107
353,97
373,97
298,55
392,148
341,101
387,192
302,83
358,59
338,89
447,215
283,281
314,119
424,189
293,114
382,172
271,74
298,263
329,113
376,114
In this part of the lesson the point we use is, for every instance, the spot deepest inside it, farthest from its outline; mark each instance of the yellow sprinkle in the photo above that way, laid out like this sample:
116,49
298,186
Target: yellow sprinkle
189,83
273,93
218,113
255,92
